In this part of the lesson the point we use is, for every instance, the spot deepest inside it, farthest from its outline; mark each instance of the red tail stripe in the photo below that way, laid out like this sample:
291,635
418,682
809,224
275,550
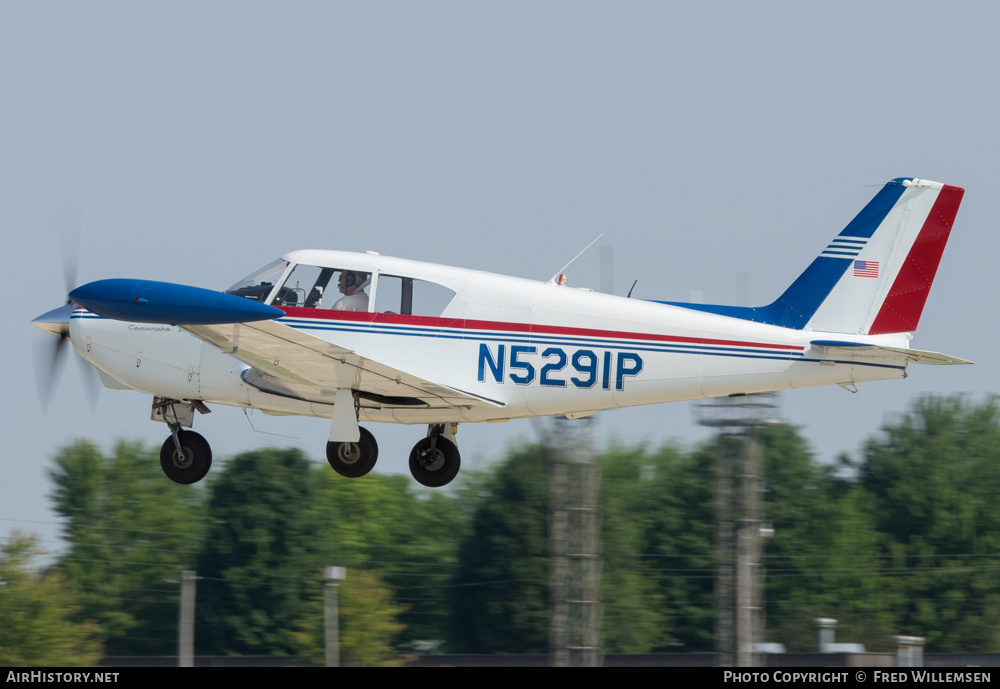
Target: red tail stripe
901,309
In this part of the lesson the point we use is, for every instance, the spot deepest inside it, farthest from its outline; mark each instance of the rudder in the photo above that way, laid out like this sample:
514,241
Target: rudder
886,279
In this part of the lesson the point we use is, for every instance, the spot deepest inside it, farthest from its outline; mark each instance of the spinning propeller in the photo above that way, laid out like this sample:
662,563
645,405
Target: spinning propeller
48,357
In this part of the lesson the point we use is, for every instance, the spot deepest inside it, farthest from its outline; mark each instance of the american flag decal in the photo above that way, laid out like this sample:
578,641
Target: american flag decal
866,269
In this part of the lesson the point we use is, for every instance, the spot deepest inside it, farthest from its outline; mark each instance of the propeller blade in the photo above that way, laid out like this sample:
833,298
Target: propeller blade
68,235
91,382
48,360
49,356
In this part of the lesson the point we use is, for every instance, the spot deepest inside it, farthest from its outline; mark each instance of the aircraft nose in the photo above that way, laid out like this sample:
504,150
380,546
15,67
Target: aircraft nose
56,321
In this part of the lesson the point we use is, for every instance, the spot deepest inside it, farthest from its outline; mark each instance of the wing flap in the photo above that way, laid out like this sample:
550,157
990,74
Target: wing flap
314,369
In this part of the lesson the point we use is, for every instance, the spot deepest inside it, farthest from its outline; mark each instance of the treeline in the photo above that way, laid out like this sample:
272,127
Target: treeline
903,539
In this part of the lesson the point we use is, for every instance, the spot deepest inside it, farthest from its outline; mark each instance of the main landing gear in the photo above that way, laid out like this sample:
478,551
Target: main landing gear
353,459
434,460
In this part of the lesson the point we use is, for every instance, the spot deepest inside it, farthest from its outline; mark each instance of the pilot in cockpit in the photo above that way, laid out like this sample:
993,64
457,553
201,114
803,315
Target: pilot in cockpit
352,285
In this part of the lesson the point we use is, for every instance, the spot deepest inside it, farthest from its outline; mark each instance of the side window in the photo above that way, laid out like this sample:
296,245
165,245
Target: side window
411,297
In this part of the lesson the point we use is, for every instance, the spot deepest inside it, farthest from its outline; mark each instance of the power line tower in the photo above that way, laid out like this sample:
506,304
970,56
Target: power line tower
574,545
739,482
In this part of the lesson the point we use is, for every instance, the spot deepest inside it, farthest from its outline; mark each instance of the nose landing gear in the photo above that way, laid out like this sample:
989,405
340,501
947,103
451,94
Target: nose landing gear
185,456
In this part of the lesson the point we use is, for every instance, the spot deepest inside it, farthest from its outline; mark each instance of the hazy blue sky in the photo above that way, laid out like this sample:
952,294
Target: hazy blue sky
195,142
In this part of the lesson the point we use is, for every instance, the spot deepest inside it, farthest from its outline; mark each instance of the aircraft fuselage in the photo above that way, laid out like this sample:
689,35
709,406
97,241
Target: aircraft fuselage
537,348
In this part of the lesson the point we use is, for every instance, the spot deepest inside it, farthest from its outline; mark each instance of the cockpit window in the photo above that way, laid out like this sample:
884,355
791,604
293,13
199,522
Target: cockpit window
304,287
259,284
312,287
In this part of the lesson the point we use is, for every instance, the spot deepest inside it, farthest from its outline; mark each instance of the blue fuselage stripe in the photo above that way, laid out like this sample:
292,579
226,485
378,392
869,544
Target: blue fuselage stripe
528,338
534,338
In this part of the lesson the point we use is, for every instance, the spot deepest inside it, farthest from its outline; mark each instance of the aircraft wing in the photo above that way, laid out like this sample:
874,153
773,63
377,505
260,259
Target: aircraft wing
859,349
293,363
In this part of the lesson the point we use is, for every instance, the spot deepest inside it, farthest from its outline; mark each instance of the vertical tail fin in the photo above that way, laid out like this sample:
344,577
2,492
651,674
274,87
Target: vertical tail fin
874,277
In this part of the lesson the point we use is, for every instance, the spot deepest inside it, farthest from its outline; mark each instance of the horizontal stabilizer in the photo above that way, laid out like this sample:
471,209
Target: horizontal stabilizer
859,349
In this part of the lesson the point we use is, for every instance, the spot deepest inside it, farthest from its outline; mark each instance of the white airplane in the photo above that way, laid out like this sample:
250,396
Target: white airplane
402,341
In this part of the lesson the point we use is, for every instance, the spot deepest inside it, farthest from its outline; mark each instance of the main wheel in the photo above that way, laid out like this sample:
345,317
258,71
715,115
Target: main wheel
190,465
437,467
353,459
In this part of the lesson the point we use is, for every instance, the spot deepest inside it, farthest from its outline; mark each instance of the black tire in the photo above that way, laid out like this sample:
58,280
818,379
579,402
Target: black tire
353,459
437,467
194,465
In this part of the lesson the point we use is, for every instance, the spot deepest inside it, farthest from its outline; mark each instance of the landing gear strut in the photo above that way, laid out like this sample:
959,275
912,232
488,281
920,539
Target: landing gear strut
353,459
435,460
185,456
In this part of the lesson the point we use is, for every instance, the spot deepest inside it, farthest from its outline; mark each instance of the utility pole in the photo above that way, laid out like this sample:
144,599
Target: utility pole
185,620
574,545
331,613
739,553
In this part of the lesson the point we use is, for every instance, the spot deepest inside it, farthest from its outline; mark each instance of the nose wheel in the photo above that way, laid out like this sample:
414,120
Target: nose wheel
435,461
353,459
185,457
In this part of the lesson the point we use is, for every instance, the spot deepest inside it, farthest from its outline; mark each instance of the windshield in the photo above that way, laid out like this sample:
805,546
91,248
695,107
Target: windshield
259,284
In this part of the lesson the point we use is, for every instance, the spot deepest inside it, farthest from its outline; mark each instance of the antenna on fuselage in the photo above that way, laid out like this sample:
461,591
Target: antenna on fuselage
559,272
629,295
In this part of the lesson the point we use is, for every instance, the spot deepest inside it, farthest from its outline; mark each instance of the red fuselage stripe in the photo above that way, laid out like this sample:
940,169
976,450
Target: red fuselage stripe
468,324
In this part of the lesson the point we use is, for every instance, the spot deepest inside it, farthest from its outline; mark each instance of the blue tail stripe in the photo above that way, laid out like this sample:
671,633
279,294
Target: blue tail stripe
872,215
796,306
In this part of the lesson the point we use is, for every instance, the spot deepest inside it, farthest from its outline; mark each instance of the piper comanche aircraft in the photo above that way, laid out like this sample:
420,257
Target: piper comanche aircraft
398,341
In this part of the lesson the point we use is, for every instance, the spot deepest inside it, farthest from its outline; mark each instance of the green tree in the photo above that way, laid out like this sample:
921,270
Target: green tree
408,536
932,474
39,613
500,591
369,623
675,504
633,617
261,558
130,532
500,594
823,559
